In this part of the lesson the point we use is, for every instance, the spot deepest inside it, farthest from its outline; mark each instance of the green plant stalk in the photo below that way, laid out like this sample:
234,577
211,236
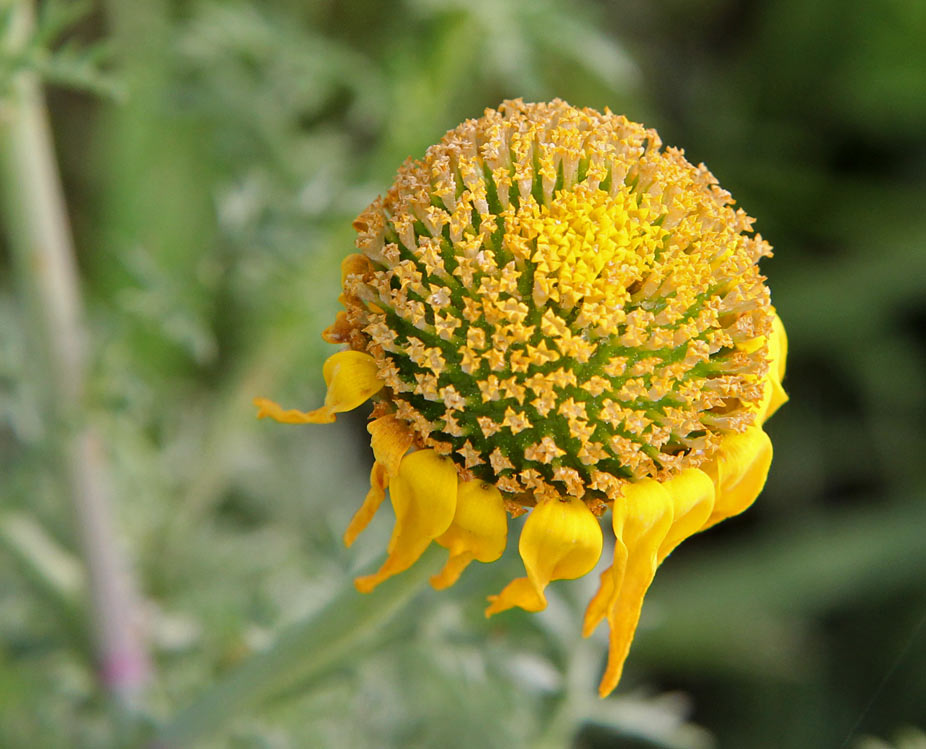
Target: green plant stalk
40,239
52,571
306,650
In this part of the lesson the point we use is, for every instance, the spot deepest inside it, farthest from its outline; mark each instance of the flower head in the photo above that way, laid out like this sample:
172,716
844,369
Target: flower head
553,313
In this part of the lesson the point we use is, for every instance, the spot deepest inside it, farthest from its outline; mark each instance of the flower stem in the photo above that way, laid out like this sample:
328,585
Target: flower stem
40,239
304,651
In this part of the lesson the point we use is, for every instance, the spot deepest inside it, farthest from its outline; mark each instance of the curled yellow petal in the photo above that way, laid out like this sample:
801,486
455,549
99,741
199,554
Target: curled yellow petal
775,395
778,347
390,440
351,380
641,519
379,479
561,540
692,493
424,497
266,408
739,471
479,531
608,588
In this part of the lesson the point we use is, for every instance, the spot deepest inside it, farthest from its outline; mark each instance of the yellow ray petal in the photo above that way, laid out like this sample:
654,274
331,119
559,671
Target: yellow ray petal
778,347
692,494
641,519
775,395
479,531
424,496
267,408
390,439
379,479
739,471
608,588
351,380
561,540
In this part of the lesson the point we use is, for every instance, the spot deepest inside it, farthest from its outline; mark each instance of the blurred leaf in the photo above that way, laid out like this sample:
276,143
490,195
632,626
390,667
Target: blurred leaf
69,63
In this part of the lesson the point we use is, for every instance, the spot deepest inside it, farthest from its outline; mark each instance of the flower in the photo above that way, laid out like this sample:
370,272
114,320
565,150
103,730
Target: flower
554,314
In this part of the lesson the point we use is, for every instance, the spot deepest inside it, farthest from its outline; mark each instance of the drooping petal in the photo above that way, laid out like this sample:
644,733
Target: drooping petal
424,497
561,540
739,471
633,509
608,589
779,354
390,439
351,380
266,408
692,498
692,493
379,480
641,519
479,531
775,396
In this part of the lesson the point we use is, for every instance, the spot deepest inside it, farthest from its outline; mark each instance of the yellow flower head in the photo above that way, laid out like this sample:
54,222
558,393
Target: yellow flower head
553,313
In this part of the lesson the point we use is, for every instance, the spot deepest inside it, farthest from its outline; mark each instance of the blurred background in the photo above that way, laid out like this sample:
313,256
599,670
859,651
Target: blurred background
213,155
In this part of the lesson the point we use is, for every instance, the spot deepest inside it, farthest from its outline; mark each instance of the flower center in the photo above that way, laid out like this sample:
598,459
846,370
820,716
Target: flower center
560,324
592,246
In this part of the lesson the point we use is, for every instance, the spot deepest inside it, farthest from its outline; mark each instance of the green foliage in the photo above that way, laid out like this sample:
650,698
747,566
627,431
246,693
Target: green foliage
52,53
211,191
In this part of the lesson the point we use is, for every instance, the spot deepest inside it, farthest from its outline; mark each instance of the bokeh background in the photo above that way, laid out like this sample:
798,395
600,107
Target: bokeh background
214,153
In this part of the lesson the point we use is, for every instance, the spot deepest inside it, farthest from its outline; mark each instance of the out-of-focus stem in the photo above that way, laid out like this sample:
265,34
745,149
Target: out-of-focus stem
334,635
40,239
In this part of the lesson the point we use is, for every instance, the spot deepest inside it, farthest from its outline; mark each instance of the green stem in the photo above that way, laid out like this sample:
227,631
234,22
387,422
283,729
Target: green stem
52,571
304,651
40,239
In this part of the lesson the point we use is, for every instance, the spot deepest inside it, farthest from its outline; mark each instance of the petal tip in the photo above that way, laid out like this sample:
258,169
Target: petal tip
367,583
496,606
266,408
451,572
